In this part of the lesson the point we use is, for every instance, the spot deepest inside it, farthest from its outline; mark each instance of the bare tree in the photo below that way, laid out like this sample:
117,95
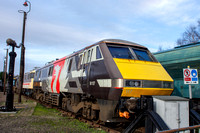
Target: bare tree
180,42
191,35
198,28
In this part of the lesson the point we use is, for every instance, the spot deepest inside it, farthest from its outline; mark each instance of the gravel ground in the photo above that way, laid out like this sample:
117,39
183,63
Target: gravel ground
32,124
25,120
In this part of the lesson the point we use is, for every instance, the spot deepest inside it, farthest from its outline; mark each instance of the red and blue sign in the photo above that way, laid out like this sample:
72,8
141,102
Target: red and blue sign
190,76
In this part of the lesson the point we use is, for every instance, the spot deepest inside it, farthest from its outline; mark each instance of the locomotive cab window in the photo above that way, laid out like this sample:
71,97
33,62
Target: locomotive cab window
32,75
126,52
142,55
120,52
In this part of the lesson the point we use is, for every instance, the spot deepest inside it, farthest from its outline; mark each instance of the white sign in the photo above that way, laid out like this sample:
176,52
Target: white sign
190,76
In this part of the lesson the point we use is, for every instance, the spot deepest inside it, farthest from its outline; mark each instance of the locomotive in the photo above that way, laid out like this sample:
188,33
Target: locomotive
28,82
103,81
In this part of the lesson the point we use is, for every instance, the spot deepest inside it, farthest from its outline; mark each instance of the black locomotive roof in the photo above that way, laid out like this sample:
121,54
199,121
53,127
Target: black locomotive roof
113,41
119,41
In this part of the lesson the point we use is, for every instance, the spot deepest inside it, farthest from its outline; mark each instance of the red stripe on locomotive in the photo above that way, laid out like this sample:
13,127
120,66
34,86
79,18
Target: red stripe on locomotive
58,65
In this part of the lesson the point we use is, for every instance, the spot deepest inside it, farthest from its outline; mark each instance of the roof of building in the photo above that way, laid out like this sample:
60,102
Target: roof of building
180,54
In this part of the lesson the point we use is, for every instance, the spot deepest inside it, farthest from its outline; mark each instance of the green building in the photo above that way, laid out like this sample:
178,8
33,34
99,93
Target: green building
175,60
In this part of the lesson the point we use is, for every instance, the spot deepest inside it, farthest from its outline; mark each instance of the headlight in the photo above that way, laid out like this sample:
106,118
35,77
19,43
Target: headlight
167,84
132,83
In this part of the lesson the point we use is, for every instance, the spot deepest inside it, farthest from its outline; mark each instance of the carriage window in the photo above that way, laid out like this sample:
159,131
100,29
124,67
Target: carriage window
98,53
39,74
84,58
79,62
70,65
142,55
120,52
88,57
50,71
44,73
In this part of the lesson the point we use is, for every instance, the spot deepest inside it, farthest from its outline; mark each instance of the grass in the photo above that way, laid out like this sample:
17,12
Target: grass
52,119
31,118
42,111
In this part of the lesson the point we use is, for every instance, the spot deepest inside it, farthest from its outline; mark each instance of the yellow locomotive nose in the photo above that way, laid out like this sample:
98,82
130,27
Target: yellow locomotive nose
144,78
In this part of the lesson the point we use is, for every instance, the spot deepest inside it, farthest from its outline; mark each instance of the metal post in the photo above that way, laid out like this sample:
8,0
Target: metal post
21,75
148,122
10,95
22,61
190,91
190,88
5,72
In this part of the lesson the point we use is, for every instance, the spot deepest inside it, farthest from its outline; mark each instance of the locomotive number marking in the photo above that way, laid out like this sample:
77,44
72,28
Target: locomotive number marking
129,91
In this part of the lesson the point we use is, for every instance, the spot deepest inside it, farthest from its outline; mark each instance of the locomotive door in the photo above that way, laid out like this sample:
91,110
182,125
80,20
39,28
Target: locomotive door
86,68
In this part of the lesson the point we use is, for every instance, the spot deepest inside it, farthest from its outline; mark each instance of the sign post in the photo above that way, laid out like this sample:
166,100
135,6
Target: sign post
190,77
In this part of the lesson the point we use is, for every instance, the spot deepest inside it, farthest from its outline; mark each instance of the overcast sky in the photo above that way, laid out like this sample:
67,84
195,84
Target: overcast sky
56,28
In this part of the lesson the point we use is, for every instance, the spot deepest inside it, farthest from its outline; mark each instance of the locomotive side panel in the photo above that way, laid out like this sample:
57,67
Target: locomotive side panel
94,69
69,77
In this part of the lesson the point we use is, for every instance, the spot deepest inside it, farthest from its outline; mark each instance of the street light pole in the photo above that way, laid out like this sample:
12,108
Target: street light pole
22,61
10,95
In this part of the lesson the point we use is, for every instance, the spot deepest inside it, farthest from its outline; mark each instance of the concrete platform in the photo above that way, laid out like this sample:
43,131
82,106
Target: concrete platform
26,108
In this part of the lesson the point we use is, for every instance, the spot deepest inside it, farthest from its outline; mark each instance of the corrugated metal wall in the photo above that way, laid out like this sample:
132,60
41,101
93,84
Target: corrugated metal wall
175,60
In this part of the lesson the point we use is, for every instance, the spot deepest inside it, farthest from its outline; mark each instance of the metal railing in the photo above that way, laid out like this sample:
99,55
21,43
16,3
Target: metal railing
195,129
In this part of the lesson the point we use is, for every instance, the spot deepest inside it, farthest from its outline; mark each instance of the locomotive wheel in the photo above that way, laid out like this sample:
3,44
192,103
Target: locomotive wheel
64,103
41,98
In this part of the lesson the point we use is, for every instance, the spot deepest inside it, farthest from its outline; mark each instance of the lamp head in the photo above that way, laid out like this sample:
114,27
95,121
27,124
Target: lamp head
11,42
25,3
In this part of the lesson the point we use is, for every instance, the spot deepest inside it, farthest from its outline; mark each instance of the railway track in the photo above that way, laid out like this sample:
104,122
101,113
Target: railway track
93,124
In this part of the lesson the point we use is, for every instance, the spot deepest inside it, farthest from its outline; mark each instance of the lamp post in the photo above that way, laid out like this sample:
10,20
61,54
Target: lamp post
21,74
10,95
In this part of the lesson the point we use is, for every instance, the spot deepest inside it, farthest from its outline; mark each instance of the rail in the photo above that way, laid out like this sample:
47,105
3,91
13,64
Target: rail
180,129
